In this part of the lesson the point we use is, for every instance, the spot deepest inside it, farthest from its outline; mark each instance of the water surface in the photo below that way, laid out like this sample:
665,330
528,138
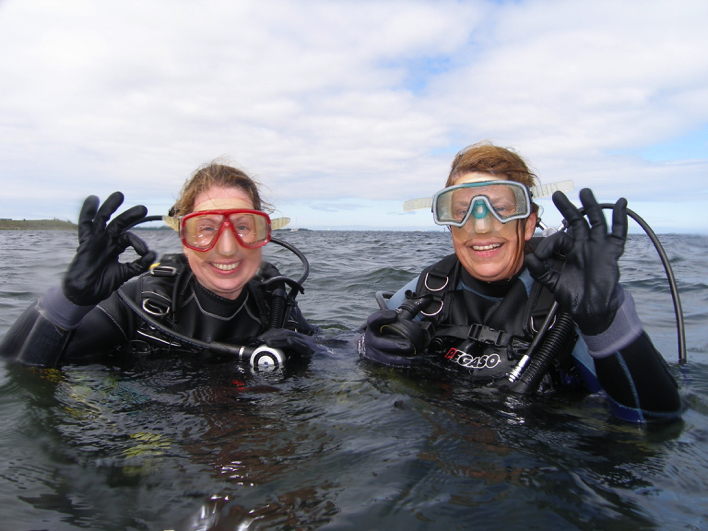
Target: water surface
186,443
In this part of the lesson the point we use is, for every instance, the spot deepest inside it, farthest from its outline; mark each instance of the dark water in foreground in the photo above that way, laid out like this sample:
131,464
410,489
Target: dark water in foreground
337,444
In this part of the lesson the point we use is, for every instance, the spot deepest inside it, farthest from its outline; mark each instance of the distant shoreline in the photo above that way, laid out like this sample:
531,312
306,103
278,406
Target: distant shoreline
36,224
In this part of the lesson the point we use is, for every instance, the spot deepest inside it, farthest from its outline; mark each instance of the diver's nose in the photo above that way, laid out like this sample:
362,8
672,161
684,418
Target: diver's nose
483,225
227,244
481,219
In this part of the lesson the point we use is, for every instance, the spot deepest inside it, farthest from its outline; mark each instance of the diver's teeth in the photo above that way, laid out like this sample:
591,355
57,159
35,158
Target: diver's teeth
489,247
225,267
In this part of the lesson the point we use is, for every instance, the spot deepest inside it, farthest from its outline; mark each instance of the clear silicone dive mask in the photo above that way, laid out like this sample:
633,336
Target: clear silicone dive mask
504,200
202,229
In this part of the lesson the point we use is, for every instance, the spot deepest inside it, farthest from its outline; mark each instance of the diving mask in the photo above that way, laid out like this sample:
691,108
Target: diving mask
201,230
504,200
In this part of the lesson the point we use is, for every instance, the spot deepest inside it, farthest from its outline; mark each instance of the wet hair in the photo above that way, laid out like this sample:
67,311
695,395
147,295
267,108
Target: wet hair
216,173
485,157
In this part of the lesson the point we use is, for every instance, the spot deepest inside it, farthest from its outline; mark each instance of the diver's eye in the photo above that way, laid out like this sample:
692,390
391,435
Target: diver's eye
206,228
505,209
243,224
205,231
460,211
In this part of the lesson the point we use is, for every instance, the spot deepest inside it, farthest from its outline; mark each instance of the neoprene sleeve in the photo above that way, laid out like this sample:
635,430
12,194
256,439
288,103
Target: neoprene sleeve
637,379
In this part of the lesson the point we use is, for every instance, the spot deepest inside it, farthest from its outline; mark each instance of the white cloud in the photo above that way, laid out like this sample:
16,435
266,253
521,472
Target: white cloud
342,102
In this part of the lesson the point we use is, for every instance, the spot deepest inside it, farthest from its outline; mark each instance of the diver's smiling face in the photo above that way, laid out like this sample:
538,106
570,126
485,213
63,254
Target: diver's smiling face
487,248
227,267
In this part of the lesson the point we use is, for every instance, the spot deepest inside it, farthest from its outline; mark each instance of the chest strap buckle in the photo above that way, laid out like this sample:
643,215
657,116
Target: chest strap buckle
487,335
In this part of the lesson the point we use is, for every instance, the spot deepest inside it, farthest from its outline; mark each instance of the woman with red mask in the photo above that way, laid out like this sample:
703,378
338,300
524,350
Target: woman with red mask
210,295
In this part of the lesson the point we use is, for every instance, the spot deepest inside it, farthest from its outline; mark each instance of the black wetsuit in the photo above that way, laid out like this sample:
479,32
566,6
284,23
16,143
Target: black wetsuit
47,333
622,362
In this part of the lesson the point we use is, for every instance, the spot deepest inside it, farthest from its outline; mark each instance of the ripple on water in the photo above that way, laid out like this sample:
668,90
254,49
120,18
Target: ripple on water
147,443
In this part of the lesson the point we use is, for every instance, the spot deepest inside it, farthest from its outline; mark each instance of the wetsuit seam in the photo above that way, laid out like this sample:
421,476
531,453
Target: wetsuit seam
630,381
463,286
215,316
114,321
639,412
254,317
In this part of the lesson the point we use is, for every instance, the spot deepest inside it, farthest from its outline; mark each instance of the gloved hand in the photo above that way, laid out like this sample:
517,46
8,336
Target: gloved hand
289,340
393,338
587,287
95,271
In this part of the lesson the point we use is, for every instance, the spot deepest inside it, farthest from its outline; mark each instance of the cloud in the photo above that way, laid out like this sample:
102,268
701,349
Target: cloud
339,103
335,207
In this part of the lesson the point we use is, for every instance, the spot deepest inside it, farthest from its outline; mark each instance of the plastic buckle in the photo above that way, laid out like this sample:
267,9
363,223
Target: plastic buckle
163,271
485,334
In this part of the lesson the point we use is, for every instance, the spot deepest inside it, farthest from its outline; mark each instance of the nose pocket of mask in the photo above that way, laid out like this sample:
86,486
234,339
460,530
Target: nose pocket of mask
480,209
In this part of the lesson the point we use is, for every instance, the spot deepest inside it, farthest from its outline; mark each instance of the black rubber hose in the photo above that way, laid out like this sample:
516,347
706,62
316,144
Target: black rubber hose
680,328
277,308
145,220
556,339
220,348
303,259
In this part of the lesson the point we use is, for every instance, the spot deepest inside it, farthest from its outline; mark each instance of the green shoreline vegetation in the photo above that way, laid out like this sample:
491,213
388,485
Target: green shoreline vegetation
53,224
36,224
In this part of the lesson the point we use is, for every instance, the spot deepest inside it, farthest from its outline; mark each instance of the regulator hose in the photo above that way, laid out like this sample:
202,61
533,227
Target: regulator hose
531,369
277,308
678,311
556,340
263,357
279,298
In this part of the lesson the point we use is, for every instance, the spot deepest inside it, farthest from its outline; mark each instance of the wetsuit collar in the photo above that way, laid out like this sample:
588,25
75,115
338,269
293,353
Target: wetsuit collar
214,304
497,289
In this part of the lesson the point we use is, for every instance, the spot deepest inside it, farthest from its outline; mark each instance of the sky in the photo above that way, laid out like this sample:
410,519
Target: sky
345,109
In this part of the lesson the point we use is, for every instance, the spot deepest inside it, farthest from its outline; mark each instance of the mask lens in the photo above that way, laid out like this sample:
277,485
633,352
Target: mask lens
505,200
201,231
252,229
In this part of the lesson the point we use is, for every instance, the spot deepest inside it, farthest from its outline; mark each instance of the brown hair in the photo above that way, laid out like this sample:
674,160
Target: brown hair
211,174
485,157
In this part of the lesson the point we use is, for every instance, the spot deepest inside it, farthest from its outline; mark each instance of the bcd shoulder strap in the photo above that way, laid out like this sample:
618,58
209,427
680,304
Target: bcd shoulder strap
166,282
159,286
440,281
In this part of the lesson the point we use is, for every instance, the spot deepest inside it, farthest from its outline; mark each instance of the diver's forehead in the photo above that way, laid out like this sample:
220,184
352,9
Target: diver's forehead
479,177
219,197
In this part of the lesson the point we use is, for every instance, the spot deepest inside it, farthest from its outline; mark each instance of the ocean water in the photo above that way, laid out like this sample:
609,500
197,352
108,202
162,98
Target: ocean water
179,443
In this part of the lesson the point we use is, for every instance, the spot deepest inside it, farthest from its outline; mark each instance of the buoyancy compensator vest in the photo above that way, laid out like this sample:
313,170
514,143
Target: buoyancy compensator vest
486,328
174,307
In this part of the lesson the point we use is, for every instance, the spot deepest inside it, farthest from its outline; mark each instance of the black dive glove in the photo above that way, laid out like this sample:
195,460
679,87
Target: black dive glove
289,340
95,271
587,287
393,338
